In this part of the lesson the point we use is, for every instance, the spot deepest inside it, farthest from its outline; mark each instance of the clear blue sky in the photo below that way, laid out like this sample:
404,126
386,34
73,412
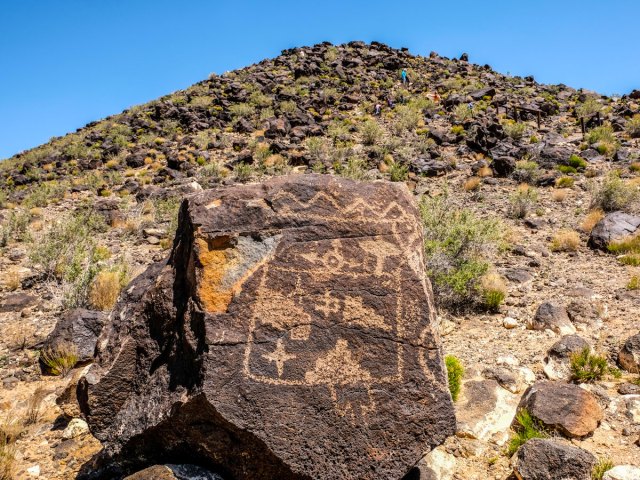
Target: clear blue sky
64,63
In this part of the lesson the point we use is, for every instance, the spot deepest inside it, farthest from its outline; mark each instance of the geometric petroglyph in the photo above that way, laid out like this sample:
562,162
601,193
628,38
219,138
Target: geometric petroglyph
299,336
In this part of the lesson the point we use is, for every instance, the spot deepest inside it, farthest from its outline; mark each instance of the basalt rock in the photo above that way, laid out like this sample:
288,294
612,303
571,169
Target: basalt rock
291,335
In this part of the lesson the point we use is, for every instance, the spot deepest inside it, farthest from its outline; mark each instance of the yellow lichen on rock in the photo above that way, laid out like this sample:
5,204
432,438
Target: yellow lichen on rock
214,260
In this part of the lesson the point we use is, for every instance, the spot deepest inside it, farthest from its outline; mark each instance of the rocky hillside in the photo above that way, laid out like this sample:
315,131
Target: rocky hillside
529,196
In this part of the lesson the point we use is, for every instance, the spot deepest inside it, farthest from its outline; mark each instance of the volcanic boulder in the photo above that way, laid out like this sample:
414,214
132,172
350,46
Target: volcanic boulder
291,335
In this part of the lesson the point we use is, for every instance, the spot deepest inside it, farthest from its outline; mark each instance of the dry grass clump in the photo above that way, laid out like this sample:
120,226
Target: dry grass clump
590,221
105,290
485,172
59,358
565,241
560,195
472,184
493,289
10,430
12,281
34,406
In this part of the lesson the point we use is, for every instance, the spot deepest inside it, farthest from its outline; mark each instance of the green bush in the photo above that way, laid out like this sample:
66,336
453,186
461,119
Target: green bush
587,367
589,107
633,126
15,228
566,169
565,182
60,358
355,169
514,130
614,194
462,112
241,110
604,137
455,373
458,130
493,290
527,428
457,243
398,172
406,119
600,468
522,201
371,132
526,171
577,162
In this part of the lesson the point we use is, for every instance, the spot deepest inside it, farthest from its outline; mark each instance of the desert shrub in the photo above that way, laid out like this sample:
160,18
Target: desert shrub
472,184
15,228
371,132
560,195
614,194
604,137
577,162
455,373
339,133
522,201
241,110
634,167
60,252
260,100
514,130
355,169
59,358
243,172
633,126
589,107
566,169
564,182
632,259
406,119
527,427
458,130
7,460
629,244
600,468
462,112
565,241
634,283
106,287
288,106
34,406
587,367
457,243
590,221
526,171
398,172
484,172
493,290
317,148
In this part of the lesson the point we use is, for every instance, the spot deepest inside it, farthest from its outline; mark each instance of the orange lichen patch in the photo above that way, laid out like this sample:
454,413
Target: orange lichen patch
214,259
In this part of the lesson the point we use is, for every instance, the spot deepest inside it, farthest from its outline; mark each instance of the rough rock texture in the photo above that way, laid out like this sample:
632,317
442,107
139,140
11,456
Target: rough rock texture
291,335
557,361
174,472
552,317
614,226
542,459
81,328
629,356
622,472
569,409
485,410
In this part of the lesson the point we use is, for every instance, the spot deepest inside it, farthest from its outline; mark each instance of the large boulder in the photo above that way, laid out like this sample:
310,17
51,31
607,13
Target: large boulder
552,316
291,335
568,409
543,459
80,328
614,226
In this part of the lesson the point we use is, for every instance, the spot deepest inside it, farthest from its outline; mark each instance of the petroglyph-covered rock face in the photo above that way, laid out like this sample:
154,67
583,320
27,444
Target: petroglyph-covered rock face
291,335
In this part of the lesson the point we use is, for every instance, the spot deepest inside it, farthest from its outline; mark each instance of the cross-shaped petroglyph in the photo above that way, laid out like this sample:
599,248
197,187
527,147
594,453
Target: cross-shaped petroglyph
279,356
